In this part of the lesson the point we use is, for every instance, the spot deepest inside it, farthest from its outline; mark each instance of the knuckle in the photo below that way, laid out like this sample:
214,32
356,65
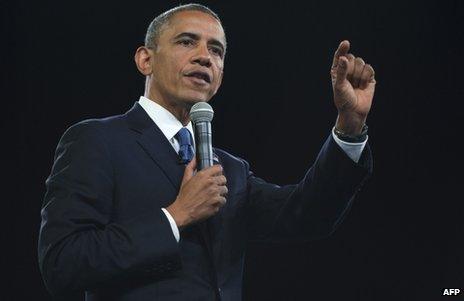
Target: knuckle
201,174
211,191
219,203
218,190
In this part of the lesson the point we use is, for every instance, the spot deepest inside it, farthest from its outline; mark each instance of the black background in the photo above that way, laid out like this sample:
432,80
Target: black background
65,61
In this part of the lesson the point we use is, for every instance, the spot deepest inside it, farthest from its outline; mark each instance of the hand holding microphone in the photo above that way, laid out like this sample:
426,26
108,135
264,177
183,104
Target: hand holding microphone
202,194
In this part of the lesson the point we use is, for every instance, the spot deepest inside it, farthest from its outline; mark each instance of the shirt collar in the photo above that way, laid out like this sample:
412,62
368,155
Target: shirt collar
167,123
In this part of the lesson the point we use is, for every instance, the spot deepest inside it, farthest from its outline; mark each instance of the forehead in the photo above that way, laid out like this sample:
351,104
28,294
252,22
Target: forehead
196,22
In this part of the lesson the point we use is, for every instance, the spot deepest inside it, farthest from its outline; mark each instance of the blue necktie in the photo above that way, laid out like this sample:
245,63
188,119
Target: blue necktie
186,148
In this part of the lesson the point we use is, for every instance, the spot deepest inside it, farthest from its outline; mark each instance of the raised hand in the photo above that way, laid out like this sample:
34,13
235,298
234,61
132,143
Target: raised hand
353,84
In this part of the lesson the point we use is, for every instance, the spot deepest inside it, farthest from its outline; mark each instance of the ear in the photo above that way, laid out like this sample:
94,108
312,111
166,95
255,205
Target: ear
142,59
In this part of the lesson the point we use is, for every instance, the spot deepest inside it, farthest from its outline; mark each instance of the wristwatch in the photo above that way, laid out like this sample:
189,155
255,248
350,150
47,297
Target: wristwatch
352,138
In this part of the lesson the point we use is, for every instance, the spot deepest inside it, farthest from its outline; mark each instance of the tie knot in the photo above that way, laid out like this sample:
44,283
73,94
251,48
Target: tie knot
184,137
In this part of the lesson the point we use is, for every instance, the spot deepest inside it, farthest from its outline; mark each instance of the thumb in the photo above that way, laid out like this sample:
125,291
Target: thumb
189,171
342,70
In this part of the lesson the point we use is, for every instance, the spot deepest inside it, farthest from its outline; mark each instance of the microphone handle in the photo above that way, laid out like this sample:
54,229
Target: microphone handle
204,145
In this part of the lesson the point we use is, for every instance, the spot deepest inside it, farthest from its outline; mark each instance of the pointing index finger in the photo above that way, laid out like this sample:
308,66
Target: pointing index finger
342,50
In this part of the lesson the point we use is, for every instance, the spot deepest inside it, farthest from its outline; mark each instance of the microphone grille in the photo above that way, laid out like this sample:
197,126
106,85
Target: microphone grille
201,112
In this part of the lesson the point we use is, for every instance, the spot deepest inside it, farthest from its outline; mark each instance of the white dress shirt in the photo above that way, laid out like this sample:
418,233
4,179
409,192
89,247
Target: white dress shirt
170,125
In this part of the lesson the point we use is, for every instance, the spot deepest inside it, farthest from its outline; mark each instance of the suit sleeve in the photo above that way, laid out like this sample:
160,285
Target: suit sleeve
80,247
314,207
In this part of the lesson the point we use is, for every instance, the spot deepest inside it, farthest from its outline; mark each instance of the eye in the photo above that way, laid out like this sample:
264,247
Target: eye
185,42
216,51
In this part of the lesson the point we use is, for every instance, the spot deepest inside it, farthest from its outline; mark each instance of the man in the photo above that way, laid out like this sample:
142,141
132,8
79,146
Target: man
126,217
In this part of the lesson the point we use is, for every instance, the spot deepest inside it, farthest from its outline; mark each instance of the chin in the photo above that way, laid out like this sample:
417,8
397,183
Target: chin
193,98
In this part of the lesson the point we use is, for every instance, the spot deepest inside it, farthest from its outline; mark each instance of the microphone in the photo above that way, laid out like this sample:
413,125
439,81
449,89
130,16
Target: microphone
201,115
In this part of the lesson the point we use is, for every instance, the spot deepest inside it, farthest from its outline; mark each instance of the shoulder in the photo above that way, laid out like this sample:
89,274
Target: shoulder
98,128
226,156
227,159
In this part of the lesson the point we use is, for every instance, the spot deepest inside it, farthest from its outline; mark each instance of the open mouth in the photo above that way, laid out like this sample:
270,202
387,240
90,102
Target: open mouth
200,75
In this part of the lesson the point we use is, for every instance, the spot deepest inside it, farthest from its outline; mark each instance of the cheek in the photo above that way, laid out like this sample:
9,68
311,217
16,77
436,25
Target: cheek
175,73
168,70
219,80
218,73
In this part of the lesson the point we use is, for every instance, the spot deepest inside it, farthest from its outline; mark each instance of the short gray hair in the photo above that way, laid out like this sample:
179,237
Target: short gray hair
155,28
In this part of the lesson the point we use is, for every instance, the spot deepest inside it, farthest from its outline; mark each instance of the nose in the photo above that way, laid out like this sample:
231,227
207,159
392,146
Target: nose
202,56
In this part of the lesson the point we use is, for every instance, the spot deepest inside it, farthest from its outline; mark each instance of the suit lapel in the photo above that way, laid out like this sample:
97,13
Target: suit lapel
155,144
160,150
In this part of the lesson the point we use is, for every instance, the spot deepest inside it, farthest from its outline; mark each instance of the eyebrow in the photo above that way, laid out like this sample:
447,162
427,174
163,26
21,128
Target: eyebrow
196,37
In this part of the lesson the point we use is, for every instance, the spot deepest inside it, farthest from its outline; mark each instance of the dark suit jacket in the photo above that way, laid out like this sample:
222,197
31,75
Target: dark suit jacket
103,232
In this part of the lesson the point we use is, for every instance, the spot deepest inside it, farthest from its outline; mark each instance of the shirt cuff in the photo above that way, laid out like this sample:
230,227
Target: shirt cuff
352,150
174,228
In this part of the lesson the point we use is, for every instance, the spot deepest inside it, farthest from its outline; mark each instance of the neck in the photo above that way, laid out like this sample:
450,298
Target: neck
178,109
